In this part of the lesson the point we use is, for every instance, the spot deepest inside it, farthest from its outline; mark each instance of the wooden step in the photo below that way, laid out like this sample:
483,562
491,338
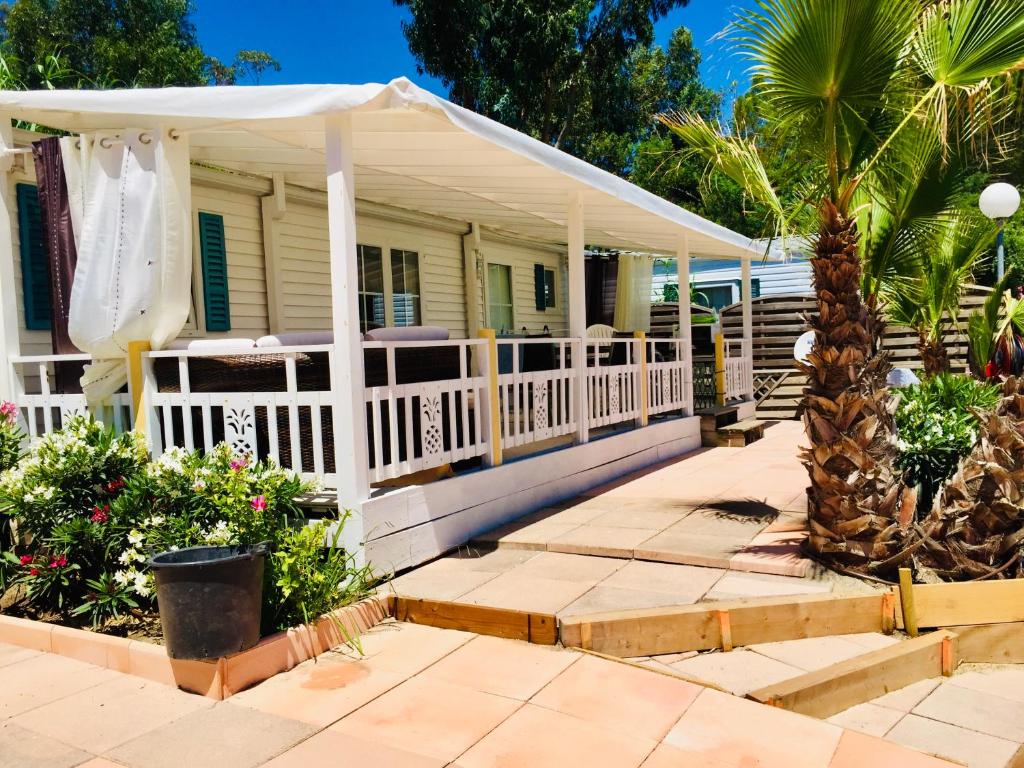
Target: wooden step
717,417
734,435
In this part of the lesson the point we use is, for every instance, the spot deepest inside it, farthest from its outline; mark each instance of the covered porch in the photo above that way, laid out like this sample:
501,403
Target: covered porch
428,440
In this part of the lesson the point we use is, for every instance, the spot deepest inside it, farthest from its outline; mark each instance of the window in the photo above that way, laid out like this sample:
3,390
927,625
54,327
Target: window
543,287
389,287
718,296
549,288
499,297
371,287
405,287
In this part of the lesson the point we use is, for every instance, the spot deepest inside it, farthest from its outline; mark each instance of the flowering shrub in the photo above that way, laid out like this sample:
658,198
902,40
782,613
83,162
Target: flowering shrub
935,428
60,494
11,436
96,509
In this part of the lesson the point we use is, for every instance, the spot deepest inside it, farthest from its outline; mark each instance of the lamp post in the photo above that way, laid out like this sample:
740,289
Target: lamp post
999,202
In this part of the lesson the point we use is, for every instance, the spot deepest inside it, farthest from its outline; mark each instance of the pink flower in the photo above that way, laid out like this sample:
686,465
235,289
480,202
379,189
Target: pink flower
237,465
100,515
259,503
59,562
9,411
26,559
115,485
34,572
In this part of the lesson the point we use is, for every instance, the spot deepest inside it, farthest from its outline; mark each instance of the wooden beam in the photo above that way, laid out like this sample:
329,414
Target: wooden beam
991,643
539,628
825,692
968,602
646,632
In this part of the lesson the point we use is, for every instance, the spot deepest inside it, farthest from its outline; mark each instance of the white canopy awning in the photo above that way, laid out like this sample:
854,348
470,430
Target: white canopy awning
412,149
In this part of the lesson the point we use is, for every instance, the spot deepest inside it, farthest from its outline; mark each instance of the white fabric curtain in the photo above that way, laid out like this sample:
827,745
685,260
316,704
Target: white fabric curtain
134,274
633,293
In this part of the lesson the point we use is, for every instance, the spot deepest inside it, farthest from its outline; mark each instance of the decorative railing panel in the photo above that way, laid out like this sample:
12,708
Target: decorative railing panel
536,389
669,382
258,401
612,381
419,425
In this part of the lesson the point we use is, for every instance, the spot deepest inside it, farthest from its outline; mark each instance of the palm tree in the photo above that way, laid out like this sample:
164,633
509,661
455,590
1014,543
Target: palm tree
928,300
850,84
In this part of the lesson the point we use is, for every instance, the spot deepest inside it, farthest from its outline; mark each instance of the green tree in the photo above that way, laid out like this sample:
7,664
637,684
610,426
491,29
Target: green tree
104,43
551,68
857,90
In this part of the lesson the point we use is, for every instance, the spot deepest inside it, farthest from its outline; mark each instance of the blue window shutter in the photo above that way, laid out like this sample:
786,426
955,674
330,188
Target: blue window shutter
214,256
755,287
35,262
540,297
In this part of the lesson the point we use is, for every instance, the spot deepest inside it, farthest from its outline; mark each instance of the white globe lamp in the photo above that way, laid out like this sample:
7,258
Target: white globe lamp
999,202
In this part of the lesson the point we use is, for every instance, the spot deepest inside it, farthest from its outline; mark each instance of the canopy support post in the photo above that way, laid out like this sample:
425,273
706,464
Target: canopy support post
578,310
748,328
685,327
347,375
9,338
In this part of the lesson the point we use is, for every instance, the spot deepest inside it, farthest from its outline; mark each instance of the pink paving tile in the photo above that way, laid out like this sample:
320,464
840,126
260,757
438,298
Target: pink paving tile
568,567
542,738
777,553
619,697
45,678
667,756
1004,681
428,717
739,732
810,653
320,692
526,593
857,750
100,762
976,710
908,697
601,540
502,667
328,749
405,649
977,750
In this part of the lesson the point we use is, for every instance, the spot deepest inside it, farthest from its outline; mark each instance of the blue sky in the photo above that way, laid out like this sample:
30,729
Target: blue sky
356,41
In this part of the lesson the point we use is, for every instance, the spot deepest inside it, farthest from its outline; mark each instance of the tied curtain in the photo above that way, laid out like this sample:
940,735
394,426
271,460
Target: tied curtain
133,278
58,227
633,292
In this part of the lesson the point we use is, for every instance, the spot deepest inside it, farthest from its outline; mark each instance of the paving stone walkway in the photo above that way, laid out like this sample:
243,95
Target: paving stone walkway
975,717
740,509
417,697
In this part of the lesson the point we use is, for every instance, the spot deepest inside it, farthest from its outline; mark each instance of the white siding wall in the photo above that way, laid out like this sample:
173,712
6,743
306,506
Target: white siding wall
243,231
303,268
521,256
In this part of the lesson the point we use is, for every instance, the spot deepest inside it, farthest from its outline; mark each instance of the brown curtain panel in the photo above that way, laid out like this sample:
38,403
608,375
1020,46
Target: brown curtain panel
600,274
60,246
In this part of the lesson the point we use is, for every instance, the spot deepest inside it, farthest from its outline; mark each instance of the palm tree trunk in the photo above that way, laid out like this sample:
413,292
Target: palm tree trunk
933,354
858,507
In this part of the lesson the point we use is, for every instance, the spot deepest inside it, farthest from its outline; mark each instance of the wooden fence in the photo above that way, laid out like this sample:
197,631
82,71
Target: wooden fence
779,322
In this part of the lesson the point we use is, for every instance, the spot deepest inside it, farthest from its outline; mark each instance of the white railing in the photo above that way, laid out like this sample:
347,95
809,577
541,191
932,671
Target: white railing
536,389
669,376
292,423
42,409
612,381
425,424
739,371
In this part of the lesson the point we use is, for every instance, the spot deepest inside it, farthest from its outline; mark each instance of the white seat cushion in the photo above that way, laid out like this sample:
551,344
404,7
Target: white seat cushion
409,333
193,344
296,339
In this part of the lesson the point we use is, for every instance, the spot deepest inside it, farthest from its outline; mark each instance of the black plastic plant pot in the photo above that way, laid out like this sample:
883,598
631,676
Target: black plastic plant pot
210,599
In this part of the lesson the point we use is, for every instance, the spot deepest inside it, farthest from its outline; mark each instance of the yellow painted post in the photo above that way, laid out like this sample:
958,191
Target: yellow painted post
641,337
135,350
907,602
494,434
720,368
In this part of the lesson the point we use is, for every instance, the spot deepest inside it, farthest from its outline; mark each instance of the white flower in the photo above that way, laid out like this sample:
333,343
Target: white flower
129,556
141,584
123,577
29,498
135,538
199,485
153,522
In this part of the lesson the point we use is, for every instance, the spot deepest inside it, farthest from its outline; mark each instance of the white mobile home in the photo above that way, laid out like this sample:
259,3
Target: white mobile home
367,283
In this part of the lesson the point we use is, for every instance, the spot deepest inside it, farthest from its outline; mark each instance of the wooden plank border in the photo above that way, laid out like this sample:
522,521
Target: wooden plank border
539,628
966,602
827,691
705,626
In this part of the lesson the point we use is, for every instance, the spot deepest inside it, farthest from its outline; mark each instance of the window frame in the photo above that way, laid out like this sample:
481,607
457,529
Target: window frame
388,243
511,290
